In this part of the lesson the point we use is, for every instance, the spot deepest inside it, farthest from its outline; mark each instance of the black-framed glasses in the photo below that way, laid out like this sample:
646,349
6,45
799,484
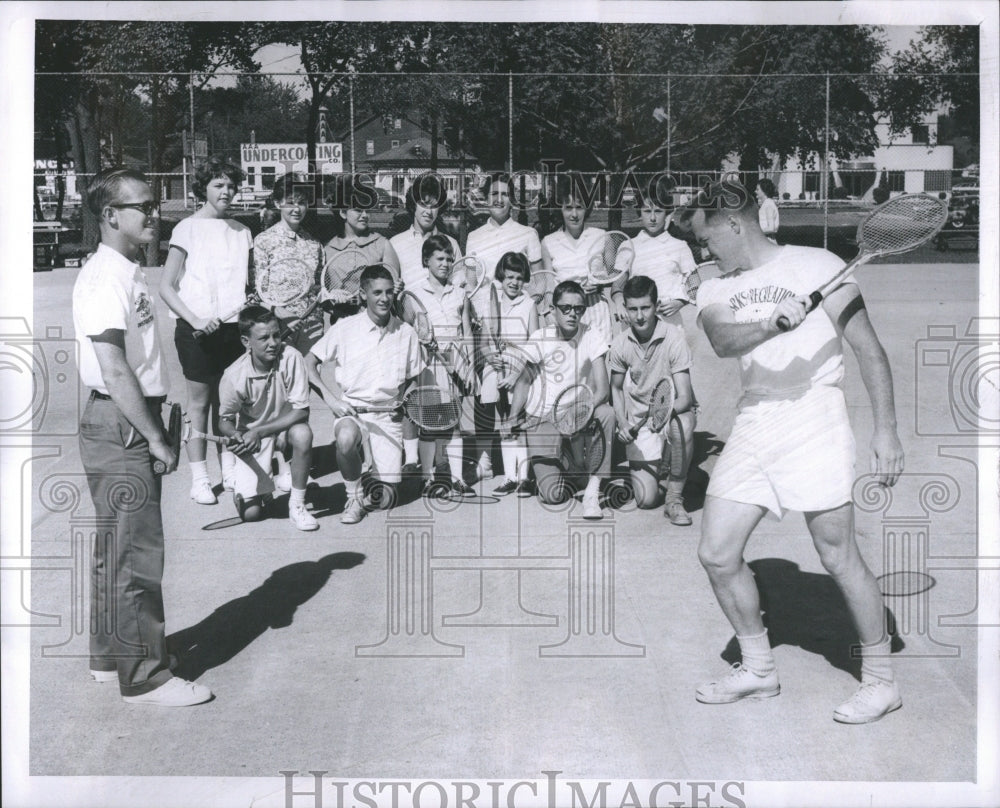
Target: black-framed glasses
146,208
569,308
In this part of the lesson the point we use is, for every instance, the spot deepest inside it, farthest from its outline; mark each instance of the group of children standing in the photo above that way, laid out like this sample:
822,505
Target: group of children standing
253,388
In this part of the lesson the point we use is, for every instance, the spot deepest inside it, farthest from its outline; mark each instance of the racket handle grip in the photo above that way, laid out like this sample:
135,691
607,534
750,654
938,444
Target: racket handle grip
814,300
159,467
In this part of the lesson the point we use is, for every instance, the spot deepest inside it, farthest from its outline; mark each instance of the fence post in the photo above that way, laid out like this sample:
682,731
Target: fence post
510,122
350,94
826,167
668,123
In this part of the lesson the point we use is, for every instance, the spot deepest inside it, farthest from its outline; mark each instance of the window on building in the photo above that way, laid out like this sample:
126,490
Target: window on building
896,180
920,133
395,143
398,123
267,174
811,181
937,180
369,147
252,176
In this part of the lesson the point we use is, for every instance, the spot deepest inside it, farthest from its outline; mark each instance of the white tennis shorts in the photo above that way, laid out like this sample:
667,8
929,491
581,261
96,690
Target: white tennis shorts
795,455
253,472
382,443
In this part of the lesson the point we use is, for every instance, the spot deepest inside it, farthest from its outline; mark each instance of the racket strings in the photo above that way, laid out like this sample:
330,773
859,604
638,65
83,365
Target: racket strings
572,416
428,409
902,223
613,259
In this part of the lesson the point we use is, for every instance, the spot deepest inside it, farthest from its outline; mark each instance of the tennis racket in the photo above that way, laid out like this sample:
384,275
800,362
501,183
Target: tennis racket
428,406
179,432
897,226
610,259
253,299
693,281
661,406
469,272
341,272
410,310
573,409
286,281
490,321
542,282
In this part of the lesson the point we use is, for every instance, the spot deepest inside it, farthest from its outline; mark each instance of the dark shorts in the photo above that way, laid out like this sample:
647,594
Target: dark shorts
203,360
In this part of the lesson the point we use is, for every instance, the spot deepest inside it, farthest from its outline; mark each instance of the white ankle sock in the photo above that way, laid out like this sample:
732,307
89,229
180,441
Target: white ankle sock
756,651
199,470
875,661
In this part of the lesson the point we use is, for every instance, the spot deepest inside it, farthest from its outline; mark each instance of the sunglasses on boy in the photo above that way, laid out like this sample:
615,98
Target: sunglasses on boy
569,308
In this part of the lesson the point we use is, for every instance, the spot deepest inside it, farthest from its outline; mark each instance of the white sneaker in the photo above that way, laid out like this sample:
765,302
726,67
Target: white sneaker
300,517
592,507
870,702
175,692
283,482
229,482
354,512
739,683
201,492
104,676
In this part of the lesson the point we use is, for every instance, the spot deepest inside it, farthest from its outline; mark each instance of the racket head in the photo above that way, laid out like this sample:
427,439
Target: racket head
289,279
572,409
542,282
594,446
611,258
342,270
704,270
411,311
469,272
432,408
661,404
901,224
490,318
175,428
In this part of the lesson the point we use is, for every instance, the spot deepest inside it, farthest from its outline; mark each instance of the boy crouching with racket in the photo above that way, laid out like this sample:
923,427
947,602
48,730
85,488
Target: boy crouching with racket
264,404
651,392
562,390
374,358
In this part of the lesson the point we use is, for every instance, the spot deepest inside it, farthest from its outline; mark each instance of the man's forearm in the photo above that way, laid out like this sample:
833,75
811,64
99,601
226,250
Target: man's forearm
877,377
736,339
124,390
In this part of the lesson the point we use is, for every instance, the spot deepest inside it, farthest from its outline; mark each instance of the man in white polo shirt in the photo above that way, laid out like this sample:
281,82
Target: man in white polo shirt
374,357
121,434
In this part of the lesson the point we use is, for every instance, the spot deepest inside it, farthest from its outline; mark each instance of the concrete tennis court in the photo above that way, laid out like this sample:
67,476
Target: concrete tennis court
517,639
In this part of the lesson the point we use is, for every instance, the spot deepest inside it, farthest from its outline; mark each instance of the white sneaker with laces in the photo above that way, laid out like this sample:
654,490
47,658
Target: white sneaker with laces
739,683
175,692
201,492
300,517
354,512
873,700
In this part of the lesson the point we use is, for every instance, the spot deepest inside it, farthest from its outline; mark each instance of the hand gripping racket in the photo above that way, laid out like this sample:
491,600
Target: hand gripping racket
897,226
253,299
179,432
611,258
428,406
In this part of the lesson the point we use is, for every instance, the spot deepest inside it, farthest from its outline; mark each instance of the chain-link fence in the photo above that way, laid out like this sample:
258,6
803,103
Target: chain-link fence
830,145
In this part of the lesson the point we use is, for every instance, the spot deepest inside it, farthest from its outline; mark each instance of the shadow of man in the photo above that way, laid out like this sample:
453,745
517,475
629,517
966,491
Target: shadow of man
236,624
807,609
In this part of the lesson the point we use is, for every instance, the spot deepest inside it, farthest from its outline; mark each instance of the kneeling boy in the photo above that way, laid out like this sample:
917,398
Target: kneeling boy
264,401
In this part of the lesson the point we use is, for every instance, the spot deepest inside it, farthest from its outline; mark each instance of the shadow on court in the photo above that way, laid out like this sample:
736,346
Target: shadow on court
806,609
706,445
236,624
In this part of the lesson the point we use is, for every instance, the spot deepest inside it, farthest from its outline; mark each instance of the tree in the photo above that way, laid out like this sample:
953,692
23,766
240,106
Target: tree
156,61
938,70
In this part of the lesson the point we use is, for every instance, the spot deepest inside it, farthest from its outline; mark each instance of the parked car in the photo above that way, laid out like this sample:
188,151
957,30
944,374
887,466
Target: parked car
963,216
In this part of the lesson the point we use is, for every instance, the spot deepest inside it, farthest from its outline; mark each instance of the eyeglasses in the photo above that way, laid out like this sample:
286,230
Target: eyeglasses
146,208
569,308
